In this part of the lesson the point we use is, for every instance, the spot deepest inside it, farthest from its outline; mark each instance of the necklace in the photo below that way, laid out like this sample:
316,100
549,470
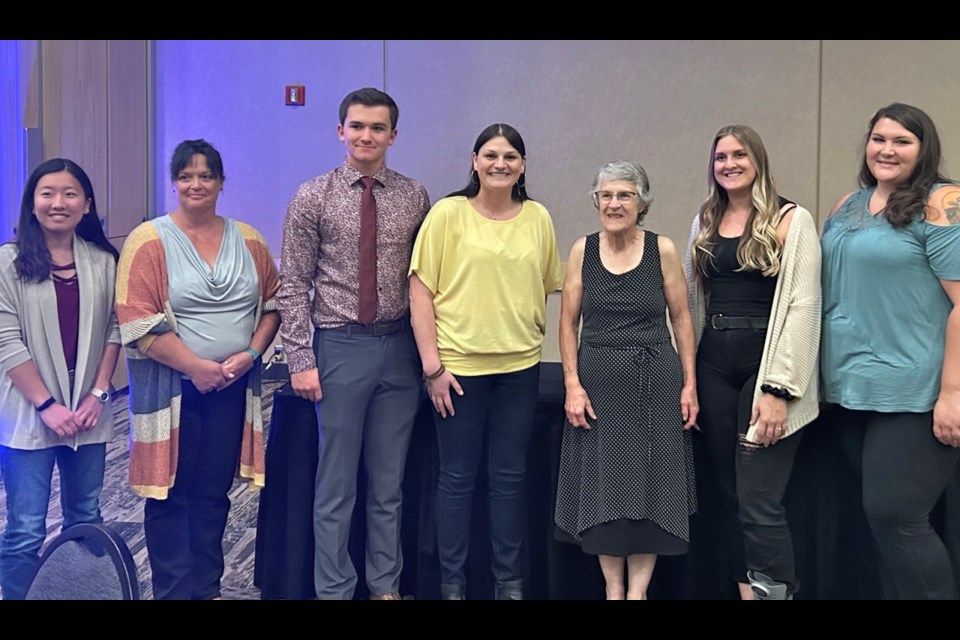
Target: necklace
511,212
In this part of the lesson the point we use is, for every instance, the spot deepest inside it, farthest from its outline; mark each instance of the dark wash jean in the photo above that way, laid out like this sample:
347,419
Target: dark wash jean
752,479
497,410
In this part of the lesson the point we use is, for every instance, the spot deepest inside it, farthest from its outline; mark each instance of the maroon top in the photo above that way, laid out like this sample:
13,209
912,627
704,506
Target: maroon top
68,310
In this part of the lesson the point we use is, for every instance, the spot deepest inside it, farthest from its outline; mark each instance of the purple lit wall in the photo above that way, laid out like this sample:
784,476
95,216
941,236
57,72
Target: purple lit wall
16,60
232,94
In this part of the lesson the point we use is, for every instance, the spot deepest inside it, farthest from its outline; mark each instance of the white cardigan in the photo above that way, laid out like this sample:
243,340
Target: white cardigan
791,350
30,330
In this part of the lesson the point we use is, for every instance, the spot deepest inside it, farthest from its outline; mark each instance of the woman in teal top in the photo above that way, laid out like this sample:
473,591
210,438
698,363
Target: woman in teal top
890,360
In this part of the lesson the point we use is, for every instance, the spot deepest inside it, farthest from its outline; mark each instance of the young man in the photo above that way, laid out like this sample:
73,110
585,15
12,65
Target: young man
348,234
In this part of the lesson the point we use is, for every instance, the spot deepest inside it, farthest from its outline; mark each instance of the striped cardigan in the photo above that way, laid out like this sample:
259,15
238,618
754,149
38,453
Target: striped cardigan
791,350
144,312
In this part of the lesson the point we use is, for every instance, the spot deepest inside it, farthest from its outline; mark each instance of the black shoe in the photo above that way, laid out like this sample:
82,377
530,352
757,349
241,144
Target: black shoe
510,590
452,592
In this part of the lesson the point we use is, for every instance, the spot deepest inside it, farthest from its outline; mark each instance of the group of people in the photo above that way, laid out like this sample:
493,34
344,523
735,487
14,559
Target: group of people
192,299
384,297
771,322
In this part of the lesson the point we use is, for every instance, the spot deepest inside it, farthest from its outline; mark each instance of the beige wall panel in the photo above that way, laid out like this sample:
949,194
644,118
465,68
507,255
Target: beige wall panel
28,51
74,106
578,104
126,135
861,76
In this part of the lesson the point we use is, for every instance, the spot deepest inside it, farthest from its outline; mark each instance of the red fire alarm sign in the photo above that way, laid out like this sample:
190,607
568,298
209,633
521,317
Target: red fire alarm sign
296,95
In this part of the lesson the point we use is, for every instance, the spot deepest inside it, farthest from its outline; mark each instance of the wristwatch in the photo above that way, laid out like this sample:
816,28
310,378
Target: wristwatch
100,395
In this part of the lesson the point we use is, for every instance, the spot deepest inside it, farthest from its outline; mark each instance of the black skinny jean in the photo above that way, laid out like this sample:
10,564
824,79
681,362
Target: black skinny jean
751,479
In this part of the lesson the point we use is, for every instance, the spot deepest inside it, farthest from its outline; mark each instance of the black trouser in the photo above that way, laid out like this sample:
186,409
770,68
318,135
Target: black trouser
904,469
751,479
184,533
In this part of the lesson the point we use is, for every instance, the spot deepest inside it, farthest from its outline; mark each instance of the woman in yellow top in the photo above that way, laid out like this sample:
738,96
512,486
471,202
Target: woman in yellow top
483,263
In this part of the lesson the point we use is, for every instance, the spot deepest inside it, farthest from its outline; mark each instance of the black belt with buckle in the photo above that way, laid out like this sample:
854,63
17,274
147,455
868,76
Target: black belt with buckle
721,322
375,329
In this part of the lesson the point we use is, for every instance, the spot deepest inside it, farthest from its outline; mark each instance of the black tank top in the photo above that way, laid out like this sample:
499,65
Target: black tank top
738,293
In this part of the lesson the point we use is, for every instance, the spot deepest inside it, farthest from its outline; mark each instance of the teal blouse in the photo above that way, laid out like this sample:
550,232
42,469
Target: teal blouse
214,308
884,309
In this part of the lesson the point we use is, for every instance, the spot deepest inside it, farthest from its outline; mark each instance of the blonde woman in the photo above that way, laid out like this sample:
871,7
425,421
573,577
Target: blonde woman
754,280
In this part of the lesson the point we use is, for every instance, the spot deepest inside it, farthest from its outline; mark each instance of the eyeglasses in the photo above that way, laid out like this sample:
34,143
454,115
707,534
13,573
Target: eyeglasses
624,197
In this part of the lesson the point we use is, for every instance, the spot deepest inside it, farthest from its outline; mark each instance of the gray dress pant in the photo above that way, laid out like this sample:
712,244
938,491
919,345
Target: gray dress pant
371,392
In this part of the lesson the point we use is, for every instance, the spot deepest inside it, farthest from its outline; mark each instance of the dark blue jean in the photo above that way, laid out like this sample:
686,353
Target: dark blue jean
498,410
26,478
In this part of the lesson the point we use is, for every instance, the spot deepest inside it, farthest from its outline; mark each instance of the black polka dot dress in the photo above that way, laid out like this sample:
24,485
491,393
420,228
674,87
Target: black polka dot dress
626,486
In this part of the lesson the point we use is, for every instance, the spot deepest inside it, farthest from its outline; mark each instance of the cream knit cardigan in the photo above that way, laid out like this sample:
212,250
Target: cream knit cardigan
791,350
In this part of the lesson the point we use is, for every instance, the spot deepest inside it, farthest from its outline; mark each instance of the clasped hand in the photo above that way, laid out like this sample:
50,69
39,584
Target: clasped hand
66,423
209,375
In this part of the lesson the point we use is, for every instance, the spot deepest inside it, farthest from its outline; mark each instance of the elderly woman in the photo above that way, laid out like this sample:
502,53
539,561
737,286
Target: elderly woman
483,263
58,348
195,299
626,489
891,343
754,270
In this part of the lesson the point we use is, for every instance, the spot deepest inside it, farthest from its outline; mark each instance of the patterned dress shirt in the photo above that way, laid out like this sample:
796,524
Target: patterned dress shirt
321,248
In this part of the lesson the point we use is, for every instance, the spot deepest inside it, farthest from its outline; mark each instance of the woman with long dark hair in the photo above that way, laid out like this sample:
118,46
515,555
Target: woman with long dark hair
59,343
483,263
891,343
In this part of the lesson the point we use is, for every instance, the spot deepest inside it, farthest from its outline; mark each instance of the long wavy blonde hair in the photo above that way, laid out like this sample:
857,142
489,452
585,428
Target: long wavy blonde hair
760,248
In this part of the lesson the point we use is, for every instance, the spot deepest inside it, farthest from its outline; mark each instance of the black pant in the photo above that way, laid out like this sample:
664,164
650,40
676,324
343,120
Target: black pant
751,479
904,469
184,533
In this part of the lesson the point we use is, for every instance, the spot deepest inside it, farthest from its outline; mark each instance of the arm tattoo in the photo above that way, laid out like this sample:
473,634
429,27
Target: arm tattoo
951,206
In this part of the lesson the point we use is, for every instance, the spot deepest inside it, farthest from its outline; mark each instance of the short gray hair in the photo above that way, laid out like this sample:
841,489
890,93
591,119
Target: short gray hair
631,172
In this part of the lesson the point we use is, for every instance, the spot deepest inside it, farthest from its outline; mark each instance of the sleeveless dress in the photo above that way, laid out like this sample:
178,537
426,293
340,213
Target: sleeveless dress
626,486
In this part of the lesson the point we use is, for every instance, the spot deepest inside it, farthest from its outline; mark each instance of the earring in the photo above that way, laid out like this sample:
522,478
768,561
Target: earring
474,177
522,181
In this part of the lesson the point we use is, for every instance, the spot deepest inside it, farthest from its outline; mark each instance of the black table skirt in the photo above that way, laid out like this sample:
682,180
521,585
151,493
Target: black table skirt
822,501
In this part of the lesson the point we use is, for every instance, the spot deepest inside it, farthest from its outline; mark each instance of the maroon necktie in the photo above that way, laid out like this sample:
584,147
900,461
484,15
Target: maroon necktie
367,294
